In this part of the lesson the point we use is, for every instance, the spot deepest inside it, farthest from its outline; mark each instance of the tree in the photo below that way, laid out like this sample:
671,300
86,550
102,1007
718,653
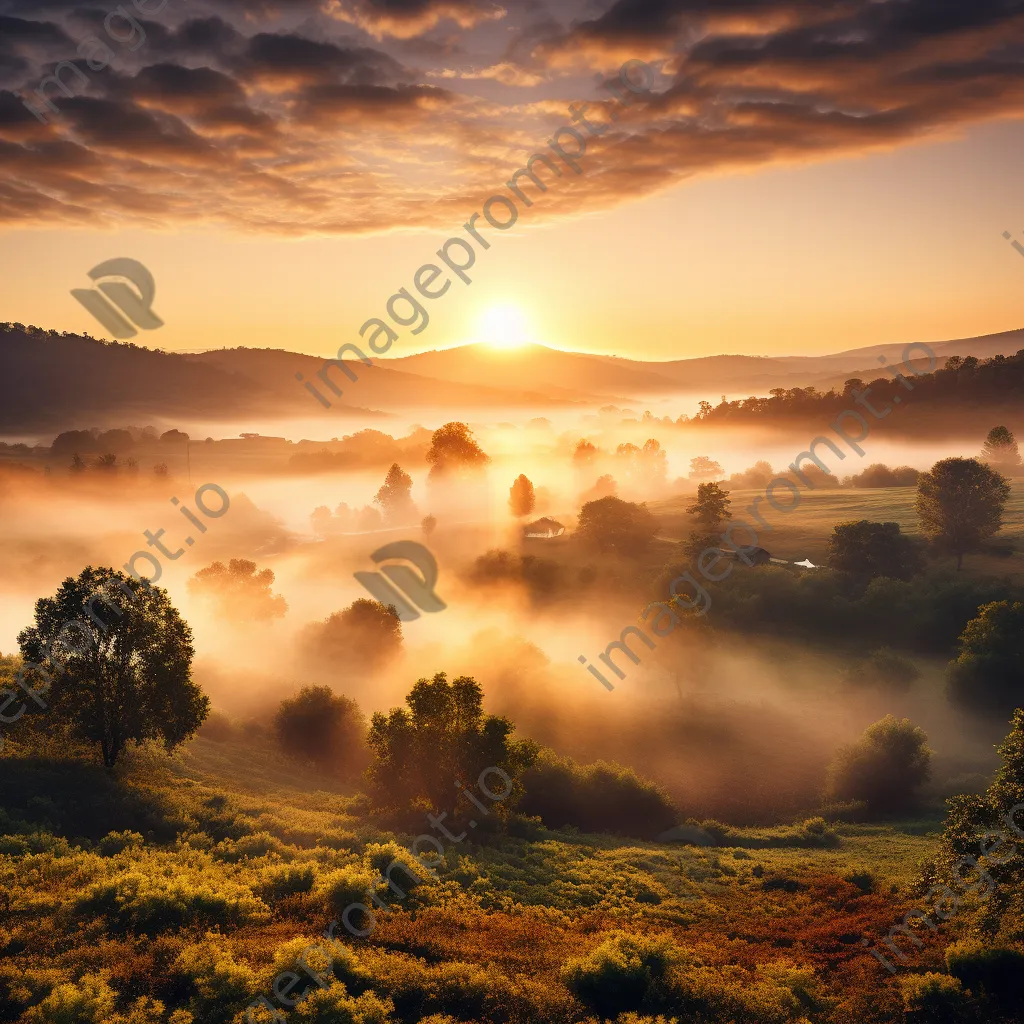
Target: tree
365,635
1000,450
77,464
442,740
395,497
585,453
429,525
239,591
328,729
711,509
453,449
960,503
614,523
521,499
106,463
873,549
119,656
883,768
160,470
701,468
989,668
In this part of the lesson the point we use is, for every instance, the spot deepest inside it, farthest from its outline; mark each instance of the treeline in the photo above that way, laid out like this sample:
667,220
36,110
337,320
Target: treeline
963,381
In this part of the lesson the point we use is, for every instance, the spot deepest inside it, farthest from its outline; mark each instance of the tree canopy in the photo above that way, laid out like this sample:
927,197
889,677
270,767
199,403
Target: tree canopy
454,450
366,634
884,768
521,497
442,737
711,507
238,591
325,728
988,672
617,524
873,549
1000,450
119,656
960,504
395,497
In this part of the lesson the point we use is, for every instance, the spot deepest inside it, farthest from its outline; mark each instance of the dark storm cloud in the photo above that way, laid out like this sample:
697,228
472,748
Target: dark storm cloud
319,115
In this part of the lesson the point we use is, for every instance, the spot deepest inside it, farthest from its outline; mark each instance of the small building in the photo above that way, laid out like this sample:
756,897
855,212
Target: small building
543,529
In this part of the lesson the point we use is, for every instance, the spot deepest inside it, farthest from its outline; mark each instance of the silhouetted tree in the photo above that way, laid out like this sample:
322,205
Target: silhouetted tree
701,468
77,464
1000,449
453,449
884,768
960,503
521,499
325,728
365,635
429,525
160,470
239,591
873,549
119,657
711,507
613,523
443,739
395,497
988,673
585,452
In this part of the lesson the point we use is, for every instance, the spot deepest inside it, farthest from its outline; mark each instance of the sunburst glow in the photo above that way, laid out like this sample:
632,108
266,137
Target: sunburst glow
504,327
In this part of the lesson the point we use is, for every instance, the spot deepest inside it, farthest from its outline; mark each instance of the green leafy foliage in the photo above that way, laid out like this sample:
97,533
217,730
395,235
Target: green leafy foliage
119,657
873,549
884,768
988,672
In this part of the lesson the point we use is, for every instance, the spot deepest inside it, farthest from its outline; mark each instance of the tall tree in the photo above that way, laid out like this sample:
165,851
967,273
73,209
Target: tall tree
454,450
395,497
521,498
711,507
119,656
1000,450
960,503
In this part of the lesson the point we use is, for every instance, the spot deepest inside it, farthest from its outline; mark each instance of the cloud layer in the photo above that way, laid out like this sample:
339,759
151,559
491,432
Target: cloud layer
343,116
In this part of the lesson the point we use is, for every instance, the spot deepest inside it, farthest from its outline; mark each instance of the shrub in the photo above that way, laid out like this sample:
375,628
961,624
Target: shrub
884,768
933,999
595,798
327,729
334,1005
117,842
283,880
884,668
991,971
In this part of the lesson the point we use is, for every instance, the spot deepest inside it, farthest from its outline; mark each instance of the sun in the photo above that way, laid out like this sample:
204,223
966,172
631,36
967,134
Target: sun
504,327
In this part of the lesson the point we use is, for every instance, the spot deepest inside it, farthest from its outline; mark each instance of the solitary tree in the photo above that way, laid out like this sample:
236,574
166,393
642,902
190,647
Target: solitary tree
395,497
585,452
873,549
117,656
238,591
365,635
521,499
960,503
320,726
703,468
883,768
1000,450
989,669
711,508
429,525
77,464
440,741
614,523
453,449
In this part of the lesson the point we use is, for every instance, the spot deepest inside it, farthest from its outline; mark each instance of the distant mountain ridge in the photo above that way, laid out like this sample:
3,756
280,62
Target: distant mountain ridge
61,381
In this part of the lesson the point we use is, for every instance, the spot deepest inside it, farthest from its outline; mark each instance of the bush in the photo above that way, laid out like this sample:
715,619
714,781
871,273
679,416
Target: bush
989,668
873,549
117,842
283,880
364,636
994,972
933,999
884,768
595,798
326,729
884,668
880,475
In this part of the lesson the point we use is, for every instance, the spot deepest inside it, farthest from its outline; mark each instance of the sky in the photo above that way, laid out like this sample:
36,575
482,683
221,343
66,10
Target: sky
788,177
